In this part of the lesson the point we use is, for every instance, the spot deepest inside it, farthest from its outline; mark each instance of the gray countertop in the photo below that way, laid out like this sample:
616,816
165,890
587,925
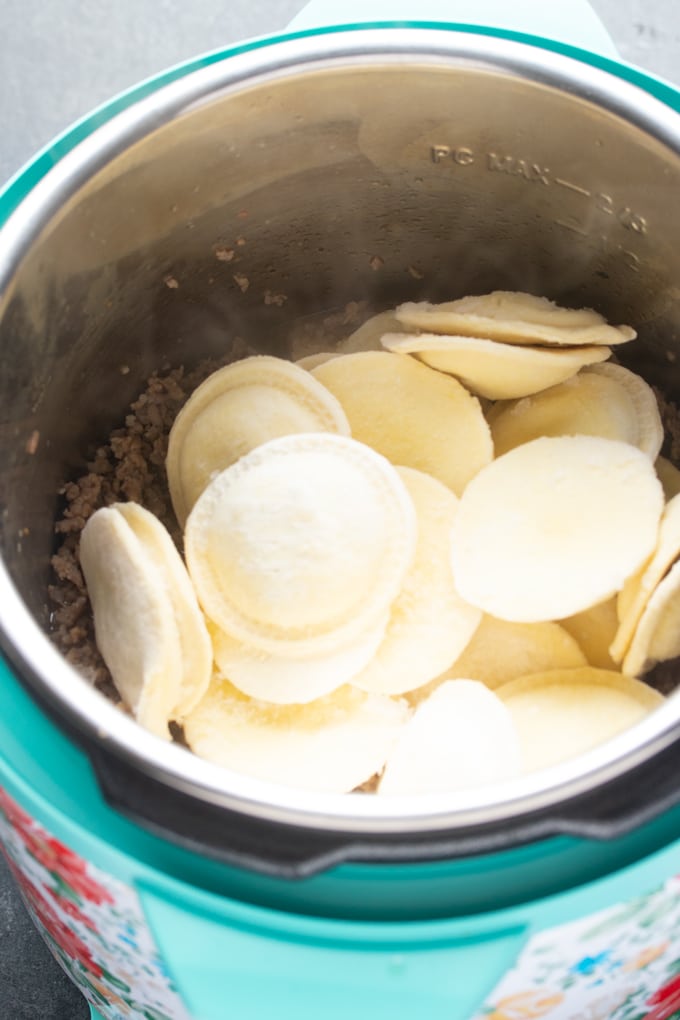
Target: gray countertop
60,59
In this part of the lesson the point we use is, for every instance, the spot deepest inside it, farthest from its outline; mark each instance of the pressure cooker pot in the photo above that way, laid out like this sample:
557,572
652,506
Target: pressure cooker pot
236,207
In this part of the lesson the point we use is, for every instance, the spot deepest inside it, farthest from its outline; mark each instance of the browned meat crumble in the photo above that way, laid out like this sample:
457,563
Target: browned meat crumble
129,466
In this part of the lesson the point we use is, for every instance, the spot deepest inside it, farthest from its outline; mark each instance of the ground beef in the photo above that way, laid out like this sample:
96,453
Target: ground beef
670,416
130,466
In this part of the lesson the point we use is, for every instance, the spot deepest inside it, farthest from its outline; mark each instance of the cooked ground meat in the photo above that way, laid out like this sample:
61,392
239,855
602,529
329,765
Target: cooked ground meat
130,466
670,416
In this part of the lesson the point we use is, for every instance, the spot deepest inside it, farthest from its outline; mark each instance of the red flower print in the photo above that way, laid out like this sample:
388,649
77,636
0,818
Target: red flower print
72,909
666,1001
64,937
53,855
71,869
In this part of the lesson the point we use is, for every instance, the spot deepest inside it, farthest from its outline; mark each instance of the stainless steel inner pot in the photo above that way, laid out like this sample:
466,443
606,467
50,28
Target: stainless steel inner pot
375,166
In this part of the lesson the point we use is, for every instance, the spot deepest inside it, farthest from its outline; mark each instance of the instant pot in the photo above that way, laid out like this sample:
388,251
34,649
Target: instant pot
367,163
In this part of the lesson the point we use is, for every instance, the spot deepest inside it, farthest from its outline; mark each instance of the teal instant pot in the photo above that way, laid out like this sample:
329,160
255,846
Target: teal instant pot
369,162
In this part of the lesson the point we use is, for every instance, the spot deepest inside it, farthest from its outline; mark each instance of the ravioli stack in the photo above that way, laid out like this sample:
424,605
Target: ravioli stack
389,576
505,345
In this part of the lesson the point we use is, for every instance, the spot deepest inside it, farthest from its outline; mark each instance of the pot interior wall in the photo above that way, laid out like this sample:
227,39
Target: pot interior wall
241,225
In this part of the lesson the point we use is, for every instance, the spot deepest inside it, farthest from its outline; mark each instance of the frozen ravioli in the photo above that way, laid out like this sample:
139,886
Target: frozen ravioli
563,713
301,546
501,651
415,417
236,409
602,400
284,680
332,745
429,624
657,635
495,370
462,737
372,600
639,588
555,526
149,628
514,318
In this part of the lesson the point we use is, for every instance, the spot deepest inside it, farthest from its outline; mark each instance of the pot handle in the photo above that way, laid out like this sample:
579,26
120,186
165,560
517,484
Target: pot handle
573,22
230,958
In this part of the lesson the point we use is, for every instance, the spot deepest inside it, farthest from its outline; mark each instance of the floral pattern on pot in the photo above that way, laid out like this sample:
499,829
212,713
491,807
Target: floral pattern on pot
620,964
92,923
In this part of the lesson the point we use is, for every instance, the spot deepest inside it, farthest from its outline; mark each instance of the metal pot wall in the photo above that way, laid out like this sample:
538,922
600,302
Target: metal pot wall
375,166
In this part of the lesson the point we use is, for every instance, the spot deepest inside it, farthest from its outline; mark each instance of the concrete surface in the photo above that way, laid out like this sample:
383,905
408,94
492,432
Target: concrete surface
57,61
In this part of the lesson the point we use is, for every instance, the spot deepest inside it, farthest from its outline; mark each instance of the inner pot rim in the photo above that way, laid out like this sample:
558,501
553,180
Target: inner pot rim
28,647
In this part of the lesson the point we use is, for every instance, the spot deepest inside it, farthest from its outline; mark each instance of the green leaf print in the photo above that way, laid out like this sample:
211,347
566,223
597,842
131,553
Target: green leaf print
64,889
115,982
154,1014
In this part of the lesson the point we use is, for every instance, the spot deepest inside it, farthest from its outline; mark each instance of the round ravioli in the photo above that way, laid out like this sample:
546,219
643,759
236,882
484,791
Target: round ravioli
195,647
301,546
657,635
461,738
331,745
236,409
649,432
514,318
429,623
284,681
602,400
554,527
139,627
413,416
501,651
495,370
639,588
563,713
